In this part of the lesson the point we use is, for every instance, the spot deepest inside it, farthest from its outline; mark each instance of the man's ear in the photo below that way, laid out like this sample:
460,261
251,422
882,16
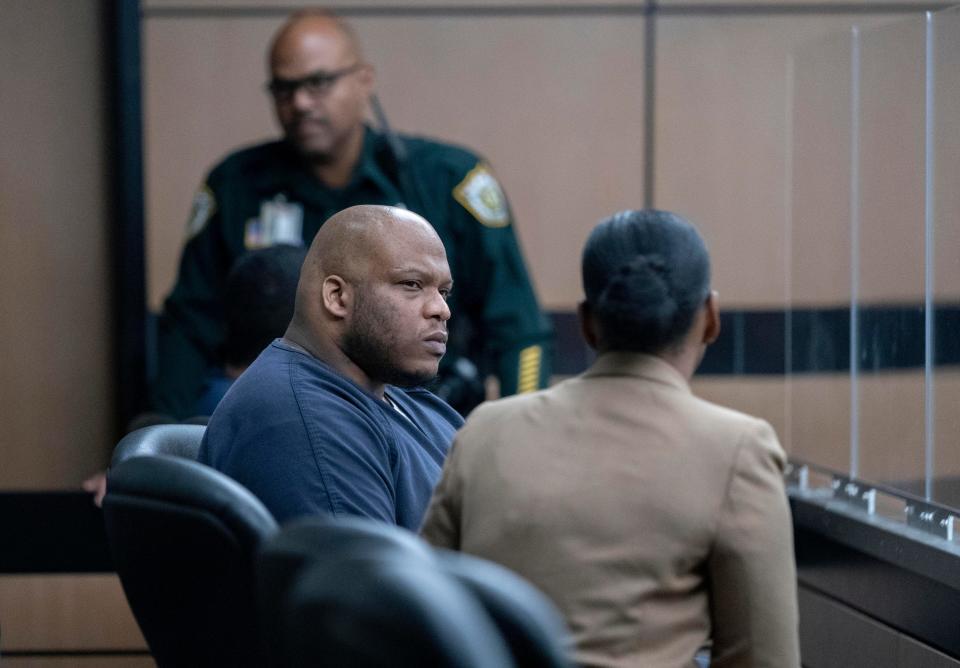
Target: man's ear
367,78
712,308
588,325
336,296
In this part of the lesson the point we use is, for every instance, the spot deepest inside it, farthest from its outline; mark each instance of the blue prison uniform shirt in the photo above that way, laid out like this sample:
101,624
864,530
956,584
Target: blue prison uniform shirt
306,440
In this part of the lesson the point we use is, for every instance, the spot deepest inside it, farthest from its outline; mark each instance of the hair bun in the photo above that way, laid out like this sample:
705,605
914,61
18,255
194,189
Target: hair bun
638,294
645,275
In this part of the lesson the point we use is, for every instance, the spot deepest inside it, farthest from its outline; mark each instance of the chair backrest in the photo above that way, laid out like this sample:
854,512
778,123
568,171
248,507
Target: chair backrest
183,538
529,623
175,440
320,539
389,611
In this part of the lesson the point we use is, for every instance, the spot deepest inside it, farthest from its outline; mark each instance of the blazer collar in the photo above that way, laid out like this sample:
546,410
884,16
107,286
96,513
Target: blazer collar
638,365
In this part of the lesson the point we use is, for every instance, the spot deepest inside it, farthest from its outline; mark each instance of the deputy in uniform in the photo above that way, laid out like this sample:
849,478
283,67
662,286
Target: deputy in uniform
328,160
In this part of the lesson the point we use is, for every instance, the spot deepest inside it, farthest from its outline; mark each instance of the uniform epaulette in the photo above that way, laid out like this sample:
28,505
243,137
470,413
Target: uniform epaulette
458,159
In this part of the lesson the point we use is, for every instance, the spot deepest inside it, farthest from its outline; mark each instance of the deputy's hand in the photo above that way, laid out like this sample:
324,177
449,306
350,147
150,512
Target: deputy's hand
96,485
460,386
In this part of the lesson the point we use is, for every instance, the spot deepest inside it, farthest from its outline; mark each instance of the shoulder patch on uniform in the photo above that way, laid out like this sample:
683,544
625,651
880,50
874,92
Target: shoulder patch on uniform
481,195
202,209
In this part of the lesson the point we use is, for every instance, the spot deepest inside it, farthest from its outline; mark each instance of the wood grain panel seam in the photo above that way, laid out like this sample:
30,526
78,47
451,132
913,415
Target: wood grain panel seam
54,653
408,11
793,9
534,10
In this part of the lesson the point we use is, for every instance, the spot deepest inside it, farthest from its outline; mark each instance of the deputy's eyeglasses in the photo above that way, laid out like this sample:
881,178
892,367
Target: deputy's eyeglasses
315,84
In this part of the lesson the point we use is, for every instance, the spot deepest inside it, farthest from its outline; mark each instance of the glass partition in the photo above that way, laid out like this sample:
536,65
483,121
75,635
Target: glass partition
874,303
889,258
944,256
818,331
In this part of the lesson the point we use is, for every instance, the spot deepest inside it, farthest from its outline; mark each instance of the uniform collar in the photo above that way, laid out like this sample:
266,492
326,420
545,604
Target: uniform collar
638,365
294,175
377,163
285,173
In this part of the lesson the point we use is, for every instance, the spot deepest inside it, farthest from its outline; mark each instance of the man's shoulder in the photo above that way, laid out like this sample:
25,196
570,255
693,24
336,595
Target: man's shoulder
264,378
286,386
465,175
431,153
313,383
436,407
258,401
328,402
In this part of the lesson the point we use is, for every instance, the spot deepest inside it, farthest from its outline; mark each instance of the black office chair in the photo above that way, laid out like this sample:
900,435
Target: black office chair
387,611
183,538
321,539
176,440
529,623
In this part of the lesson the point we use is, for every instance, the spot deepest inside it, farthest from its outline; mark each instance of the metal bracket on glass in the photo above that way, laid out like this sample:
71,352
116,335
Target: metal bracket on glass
931,519
797,476
855,494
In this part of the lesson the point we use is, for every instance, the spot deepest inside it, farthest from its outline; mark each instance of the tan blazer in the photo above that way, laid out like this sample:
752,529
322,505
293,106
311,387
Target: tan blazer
654,520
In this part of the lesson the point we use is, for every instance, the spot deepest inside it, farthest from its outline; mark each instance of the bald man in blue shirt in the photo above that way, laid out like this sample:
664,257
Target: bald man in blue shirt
330,418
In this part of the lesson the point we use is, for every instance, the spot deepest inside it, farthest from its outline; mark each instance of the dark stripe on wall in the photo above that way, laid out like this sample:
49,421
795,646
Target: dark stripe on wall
65,653
753,342
52,532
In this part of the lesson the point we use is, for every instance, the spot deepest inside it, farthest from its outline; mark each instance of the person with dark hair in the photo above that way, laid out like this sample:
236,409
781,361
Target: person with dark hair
258,302
260,293
331,418
258,305
328,159
657,521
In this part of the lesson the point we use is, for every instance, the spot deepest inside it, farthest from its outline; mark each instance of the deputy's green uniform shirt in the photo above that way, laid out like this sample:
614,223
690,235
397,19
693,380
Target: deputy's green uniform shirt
264,195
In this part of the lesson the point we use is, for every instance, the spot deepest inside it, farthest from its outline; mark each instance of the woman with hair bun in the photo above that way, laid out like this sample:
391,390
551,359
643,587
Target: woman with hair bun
656,521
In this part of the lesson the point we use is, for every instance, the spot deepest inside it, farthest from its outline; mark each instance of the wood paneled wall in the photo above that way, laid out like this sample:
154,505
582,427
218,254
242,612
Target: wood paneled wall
55,293
723,108
70,614
55,340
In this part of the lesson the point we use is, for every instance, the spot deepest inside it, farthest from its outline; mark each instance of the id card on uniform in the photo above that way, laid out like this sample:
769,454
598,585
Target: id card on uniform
280,222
